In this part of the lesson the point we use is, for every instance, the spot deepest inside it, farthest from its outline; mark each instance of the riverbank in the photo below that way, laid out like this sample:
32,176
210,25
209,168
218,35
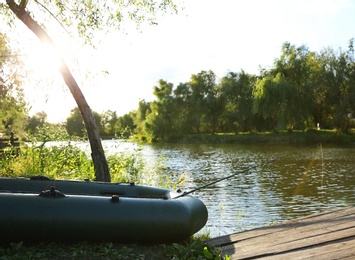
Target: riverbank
283,138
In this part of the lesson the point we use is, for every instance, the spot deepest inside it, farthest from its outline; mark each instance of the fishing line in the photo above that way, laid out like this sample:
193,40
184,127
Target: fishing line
243,171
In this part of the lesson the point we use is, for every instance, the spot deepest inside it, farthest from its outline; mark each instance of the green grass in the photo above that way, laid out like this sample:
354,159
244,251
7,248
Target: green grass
192,249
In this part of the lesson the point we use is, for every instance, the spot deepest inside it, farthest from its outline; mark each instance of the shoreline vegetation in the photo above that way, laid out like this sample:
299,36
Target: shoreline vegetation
292,138
307,137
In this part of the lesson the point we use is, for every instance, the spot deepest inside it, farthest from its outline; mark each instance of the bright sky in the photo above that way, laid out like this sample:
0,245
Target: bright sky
222,36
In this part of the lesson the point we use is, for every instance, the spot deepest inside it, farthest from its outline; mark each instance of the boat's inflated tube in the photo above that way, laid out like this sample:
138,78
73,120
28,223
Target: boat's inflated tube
89,211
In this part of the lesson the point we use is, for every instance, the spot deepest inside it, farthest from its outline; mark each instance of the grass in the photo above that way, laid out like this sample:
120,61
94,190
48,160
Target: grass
192,249
68,162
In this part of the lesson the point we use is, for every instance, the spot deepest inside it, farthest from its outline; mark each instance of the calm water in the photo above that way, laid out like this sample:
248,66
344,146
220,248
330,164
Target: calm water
293,181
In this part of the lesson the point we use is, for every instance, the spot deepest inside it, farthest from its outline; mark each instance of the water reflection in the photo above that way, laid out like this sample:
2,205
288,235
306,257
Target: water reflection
300,181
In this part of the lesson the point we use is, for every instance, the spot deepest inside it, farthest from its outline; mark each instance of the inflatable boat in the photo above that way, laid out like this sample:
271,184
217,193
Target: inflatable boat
40,209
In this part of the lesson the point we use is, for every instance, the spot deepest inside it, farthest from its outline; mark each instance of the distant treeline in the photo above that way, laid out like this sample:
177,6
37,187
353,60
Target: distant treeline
302,89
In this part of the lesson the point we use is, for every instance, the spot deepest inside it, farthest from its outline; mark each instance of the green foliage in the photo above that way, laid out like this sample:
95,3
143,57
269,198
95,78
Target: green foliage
74,124
159,122
338,82
276,99
202,86
113,126
301,90
183,121
38,157
83,19
237,91
36,121
13,111
124,126
65,161
194,249
127,167
295,137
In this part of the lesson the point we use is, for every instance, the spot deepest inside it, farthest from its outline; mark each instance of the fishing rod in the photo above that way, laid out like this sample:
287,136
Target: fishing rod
239,172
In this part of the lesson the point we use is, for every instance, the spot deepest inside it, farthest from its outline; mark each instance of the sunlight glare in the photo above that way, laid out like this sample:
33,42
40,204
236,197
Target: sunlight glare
44,60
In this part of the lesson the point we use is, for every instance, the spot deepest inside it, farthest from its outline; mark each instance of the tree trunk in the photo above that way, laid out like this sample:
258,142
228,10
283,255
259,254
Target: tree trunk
97,152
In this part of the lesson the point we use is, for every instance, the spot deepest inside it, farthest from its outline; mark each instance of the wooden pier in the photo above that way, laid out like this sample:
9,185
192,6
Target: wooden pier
327,235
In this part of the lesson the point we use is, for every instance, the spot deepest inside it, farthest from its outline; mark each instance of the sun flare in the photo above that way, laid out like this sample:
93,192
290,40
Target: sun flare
43,60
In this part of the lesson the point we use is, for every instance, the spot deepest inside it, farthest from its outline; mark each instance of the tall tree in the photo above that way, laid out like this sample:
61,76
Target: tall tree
275,100
140,119
124,126
87,18
160,118
13,112
183,121
338,76
202,85
37,120
74,123
109,119
296,66
237,89
215,104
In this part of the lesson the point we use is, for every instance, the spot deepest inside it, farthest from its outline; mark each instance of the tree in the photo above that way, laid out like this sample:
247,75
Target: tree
160,118
109,119
215,104
183,121
87,18
140,119
338,77
36,121
74,123
237,89
124,126
296,65
319,110
13,110
202,85
275,100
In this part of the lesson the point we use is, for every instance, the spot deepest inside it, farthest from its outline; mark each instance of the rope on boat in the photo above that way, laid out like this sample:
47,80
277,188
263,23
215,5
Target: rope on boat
242,171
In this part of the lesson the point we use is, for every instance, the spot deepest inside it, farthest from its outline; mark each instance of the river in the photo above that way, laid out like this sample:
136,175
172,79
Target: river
270,184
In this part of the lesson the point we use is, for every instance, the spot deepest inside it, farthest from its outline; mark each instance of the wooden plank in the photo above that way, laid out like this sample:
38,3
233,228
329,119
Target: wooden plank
266,249
307,231
276,246
307,220
341,250
327,234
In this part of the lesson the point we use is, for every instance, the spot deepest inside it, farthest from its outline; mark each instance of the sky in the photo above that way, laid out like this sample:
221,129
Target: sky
222,36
